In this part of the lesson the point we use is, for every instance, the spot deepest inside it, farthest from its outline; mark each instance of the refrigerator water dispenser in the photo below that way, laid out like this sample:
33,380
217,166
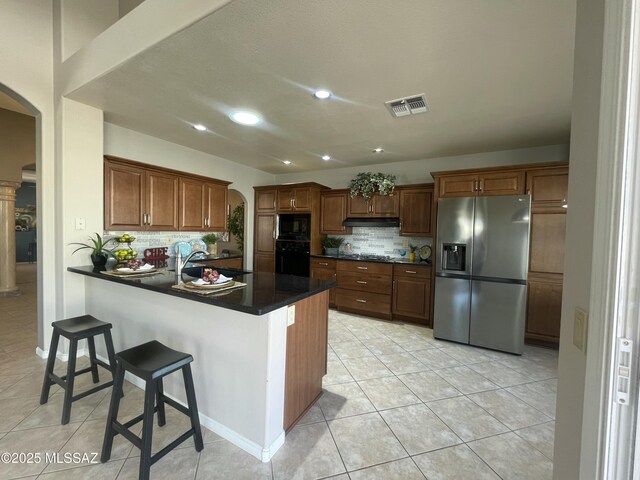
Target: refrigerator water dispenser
453,256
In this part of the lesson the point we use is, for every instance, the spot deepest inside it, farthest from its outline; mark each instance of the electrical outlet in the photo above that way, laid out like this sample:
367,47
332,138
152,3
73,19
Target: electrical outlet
580,319
291,315
80,223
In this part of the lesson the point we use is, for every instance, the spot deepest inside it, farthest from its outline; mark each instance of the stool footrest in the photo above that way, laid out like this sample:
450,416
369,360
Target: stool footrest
79,372
171,446
177,406
91,390
126,433
102,364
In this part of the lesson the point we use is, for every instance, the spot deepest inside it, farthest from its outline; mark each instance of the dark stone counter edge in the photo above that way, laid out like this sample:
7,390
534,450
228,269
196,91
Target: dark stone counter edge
327,285
398,261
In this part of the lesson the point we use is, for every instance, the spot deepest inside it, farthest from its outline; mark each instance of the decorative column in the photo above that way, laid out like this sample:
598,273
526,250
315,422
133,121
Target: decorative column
8,238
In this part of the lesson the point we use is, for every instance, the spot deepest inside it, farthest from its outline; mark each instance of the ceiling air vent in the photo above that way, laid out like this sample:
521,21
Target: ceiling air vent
407,105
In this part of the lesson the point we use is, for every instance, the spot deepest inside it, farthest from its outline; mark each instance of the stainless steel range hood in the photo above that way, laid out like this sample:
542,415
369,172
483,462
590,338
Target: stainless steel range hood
371,222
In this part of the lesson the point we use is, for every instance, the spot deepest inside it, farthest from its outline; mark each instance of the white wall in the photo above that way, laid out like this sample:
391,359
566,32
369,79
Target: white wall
132,145
84,20
579,235
419,171
27,69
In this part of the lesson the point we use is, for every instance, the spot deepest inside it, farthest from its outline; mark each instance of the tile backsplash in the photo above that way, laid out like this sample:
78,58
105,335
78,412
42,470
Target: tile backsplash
157,239
380,241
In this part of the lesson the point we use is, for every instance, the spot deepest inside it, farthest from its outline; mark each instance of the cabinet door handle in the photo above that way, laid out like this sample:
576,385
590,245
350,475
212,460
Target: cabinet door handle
144,218
410,271
361,282
360,300
363,268
475,186
323,263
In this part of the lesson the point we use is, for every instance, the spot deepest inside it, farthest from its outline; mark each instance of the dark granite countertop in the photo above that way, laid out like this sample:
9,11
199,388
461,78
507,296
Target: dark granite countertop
264,293
355,258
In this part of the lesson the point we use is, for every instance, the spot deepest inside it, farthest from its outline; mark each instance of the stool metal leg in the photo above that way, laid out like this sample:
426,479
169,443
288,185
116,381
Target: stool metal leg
51,360
193,407
69,381
92,359
160,402
114,406
147,430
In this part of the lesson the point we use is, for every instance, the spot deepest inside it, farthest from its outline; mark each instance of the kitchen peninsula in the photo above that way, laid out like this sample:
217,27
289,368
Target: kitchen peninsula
259,351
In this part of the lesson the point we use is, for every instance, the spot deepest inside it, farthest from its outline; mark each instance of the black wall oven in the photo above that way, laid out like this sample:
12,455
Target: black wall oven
294,226
292,258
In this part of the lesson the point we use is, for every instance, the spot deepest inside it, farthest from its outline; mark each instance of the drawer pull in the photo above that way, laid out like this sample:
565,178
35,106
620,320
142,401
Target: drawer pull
323,263
410,271
360,300
361,282
363,268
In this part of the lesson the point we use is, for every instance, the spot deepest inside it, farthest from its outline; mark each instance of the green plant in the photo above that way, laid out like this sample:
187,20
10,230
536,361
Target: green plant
97,246
413,248
332,242
235,225
210,238
368,183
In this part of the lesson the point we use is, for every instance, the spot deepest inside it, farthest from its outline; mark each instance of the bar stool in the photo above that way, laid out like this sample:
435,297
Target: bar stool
75,329
151,362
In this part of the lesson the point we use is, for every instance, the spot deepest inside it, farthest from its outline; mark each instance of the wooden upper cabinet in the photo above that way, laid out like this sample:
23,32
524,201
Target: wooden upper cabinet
510,182
333,211
266,199
548,188
124,197
416,207
377,206
139,197
294,199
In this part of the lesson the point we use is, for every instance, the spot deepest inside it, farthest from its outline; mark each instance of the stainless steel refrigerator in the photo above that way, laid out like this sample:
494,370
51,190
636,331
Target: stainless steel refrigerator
482,256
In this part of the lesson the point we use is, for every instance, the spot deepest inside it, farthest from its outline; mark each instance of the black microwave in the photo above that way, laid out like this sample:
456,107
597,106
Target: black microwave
294,226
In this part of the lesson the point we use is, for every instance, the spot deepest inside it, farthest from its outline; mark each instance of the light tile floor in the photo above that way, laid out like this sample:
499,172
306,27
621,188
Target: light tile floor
398,404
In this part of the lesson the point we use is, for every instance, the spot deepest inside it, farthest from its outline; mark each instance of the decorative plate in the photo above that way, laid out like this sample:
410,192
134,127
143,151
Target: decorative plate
425,252
184,247
211,286
198,245
128,271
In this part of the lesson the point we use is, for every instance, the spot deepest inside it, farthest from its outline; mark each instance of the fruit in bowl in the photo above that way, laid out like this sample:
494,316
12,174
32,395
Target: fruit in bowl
134,264
210,276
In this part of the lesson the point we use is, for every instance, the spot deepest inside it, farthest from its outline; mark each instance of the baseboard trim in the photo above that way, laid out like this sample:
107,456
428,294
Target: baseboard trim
82,352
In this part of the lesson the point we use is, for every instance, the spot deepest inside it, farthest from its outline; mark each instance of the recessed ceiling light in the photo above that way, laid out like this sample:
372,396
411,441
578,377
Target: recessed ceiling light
245,118
378,150
326,157
200,127
322,94
287,162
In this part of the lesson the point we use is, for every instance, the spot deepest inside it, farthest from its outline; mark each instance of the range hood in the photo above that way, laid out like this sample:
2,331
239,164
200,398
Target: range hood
371,222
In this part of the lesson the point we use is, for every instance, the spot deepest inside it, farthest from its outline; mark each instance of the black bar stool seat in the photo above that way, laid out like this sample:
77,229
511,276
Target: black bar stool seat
75,329
151,362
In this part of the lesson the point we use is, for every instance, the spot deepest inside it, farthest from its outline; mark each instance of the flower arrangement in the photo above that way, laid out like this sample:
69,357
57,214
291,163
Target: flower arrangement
368,183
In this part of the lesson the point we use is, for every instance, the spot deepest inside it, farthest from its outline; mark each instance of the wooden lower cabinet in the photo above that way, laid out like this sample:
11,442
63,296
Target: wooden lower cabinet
372,304
364,287
306,358
264,262
544,309
325,269
412,293
235,263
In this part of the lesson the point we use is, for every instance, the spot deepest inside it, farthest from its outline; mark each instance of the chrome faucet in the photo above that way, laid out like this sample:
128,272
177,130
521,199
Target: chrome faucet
180,264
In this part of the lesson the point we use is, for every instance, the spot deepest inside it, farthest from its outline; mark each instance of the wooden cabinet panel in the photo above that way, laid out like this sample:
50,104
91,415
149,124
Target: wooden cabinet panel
124,197
373,304
162,201
216,206
265,233
294,199
364,283
548,186
501,183
235,263
358,206
547,242
544,309
365,267
458,185
191,205
416,206
333,211
266,199
385,205
285,199
325,273
412,298
422,272
264,263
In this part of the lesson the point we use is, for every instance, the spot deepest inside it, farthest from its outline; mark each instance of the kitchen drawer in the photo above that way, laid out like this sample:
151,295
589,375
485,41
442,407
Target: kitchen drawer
414,271
329,263
365,282
365,267
373,303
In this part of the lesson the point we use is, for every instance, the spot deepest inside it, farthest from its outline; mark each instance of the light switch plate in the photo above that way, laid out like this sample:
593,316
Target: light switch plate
291,315
580,319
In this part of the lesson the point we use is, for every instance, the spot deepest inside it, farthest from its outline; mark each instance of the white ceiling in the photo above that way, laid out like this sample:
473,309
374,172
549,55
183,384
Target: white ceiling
497,75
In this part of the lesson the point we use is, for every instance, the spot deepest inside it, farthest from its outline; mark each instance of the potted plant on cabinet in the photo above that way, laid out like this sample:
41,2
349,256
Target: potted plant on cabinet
211,239
99,253
368,183
331,245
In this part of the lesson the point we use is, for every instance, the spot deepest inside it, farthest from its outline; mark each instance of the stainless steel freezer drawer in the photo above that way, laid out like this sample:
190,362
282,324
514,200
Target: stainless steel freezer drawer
452,308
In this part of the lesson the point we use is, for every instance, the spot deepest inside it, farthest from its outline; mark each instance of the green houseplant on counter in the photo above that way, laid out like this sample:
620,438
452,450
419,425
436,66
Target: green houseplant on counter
368,183
99,253
211,239
331,245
